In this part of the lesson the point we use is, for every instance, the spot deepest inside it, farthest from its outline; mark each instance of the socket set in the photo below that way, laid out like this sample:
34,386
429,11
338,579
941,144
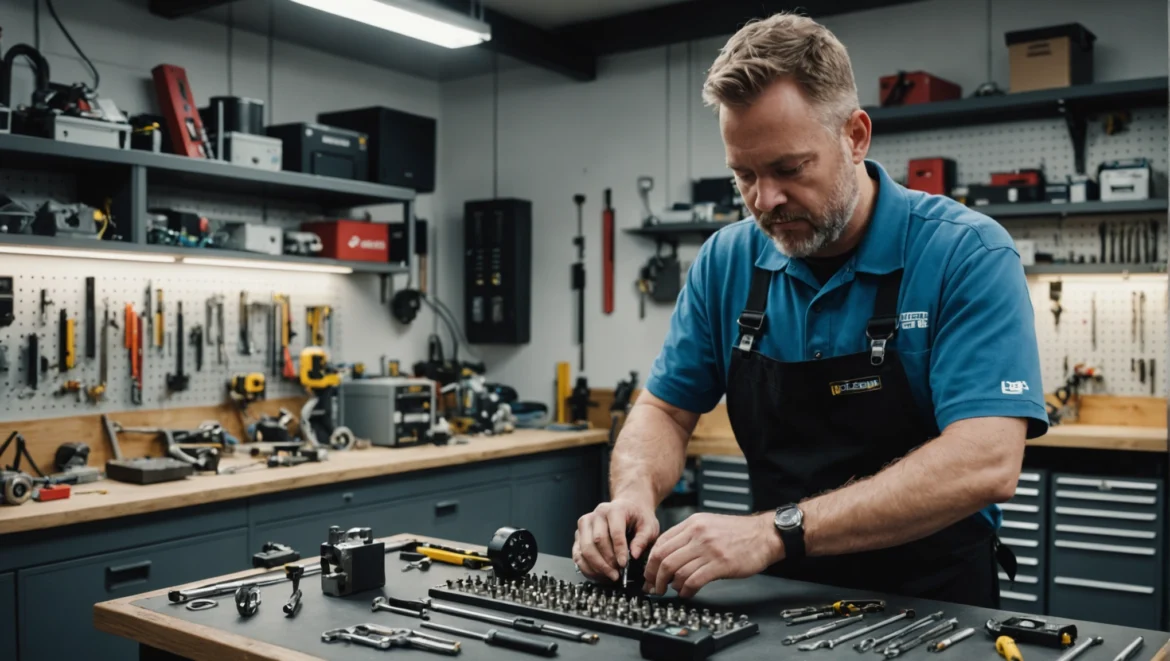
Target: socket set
590,606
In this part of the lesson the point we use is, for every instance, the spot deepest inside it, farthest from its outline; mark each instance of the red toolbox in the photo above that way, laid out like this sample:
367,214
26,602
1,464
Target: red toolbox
1028,177
931,175
352,239
911,87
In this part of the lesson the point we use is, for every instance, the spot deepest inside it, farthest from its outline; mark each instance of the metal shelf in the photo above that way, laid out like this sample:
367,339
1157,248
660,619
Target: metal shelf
664,231
1030,209
1094,269
114,248
28,152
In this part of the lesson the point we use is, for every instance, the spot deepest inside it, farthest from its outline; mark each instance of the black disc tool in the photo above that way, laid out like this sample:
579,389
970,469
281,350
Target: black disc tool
512,552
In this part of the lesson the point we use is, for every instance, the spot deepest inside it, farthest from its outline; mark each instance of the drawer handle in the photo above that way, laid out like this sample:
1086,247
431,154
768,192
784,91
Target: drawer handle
1026,561
1020,525
1105,514
446,507
1103,585
1104,548
1023,543
1016,596
1020,578
744,491
1029,477
720,505
1027,491
1106,485
1014,507
127,575
347,496
1107,532
1106,497
726,475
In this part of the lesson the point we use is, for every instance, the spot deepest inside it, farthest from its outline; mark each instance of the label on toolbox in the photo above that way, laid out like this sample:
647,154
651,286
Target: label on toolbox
353,240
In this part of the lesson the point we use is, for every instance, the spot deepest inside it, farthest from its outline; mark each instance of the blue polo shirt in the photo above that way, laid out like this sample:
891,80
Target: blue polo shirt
967,337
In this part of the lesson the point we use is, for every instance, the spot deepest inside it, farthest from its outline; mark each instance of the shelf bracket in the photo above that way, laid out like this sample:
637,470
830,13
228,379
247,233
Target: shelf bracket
1078,126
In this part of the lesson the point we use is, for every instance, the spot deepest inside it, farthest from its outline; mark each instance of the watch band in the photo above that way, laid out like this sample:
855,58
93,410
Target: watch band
792,536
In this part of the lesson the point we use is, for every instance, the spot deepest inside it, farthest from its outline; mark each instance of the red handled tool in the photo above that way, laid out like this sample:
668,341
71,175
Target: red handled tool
607,229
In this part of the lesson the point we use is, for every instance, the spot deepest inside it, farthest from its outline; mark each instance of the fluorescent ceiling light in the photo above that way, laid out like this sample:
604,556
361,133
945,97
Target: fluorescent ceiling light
271,266
420,20
86,254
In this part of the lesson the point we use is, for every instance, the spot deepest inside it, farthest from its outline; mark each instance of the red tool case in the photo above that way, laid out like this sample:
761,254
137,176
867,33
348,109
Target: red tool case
912,87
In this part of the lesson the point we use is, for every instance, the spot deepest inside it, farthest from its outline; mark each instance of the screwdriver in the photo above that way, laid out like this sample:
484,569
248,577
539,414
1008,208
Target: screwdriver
498,638
1006,647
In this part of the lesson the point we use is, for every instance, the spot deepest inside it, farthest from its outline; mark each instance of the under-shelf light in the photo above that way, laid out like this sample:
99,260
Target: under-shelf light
87,254
271,266
412,18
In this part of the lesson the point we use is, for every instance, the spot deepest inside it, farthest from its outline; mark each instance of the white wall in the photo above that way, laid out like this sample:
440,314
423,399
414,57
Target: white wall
557,138
125,42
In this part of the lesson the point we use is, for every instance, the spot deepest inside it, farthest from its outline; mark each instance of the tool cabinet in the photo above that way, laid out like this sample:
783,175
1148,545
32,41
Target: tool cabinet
1024,530
1108,549
7,616
724,485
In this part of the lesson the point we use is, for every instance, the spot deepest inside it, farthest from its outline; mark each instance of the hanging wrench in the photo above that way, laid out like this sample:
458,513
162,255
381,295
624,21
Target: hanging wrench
857,633
870,643
896,650
1081,648
824,628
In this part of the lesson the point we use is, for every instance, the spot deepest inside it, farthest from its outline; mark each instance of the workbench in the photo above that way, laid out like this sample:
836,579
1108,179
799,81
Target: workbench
58,559
165,630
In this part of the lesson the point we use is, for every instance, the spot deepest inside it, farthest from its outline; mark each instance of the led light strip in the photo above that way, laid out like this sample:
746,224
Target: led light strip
411,18
120,256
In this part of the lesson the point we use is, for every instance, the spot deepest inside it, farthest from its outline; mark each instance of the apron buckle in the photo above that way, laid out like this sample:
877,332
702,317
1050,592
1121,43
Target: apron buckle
745,342
750,323
877,351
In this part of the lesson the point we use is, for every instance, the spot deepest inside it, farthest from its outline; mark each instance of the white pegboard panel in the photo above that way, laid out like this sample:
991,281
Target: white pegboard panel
232,207
119,283
1079,236
980,150
1118,347
32,187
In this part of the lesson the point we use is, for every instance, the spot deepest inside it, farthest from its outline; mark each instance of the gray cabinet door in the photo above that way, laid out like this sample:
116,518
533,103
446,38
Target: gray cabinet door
550,505
305,534
8,616
56,601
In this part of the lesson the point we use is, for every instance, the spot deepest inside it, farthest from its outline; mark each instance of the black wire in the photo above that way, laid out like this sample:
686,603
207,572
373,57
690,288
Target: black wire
231,30
450,328
449,318
271,47
496,125
97,79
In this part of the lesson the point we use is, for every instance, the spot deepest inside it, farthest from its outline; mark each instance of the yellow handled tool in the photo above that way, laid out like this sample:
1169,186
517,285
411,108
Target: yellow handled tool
1006,647
452,558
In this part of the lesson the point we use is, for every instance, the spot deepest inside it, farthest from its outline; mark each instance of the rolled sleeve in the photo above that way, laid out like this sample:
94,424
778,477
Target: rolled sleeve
985,361
687,373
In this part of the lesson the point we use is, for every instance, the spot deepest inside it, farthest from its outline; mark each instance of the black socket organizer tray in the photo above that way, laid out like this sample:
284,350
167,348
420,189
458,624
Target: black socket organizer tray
590,606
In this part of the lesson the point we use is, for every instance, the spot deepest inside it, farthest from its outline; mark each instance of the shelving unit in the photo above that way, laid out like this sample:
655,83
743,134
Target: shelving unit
1034,209
1094,269
673,233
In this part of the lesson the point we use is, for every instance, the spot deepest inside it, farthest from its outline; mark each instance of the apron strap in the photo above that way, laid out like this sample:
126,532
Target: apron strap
751,320
883,325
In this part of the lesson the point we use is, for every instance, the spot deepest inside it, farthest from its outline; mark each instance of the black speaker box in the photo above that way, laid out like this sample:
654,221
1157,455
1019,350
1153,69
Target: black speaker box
402,145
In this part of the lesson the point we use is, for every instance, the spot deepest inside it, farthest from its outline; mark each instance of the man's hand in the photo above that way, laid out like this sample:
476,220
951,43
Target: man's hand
707,547
599,547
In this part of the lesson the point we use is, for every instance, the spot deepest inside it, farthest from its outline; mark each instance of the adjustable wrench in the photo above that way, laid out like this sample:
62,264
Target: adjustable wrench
857,633
870,643
897,649
824,628
1081,648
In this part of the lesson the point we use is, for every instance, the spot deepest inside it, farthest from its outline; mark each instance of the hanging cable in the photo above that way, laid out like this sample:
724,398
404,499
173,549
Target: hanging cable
448,317
690,104
666,187
271,48
231,30
97,79
496,125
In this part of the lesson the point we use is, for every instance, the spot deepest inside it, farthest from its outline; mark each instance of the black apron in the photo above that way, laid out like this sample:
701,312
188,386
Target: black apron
810,427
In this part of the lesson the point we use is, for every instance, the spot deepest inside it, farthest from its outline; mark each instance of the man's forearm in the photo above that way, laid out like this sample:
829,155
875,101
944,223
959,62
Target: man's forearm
650,453
972,464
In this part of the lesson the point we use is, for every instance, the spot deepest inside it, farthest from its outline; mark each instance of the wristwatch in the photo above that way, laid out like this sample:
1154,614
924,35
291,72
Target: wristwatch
789,523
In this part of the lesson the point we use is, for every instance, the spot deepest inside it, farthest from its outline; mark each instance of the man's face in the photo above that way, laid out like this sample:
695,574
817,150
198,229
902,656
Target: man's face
797,178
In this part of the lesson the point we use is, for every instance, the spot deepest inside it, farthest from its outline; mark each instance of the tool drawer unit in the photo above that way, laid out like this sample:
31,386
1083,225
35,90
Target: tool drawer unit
1107,552
724,486
1025,532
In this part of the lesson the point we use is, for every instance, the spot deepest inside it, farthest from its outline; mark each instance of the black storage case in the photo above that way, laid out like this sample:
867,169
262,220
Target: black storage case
497,271
240,114
324,150
402,145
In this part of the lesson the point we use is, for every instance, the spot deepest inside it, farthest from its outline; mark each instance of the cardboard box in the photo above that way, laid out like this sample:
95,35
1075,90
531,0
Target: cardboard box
1045,58
352,240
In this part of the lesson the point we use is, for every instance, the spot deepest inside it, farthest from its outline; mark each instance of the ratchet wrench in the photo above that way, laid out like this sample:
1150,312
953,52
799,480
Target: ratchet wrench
897,649
857,633
1081,648
824,628
870,643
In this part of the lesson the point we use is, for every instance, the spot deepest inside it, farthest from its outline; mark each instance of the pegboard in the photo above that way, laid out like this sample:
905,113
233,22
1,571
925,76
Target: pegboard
119,283
32,187
980,150
220,206
1080,236
1119,344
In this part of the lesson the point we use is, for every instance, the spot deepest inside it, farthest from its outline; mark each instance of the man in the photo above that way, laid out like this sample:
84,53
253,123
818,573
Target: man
875,345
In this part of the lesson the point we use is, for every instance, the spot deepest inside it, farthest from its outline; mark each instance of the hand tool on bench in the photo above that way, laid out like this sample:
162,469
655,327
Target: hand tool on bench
840,607
400,607
1081,648
385,638
871,643
524,624
497,638
857,633
1006,647
1130,650
823,629
900,647
294,574
946,643
1034,631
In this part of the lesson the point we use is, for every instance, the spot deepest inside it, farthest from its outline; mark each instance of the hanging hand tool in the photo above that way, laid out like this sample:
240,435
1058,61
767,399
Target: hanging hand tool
33,361
1054,294
857,633
98,392
197,342
1153,381
1112,244
946,643
318,317
178,381
90,318
524,624
1081,648
148,307
1006,647
68,387
1102,230
871,643
1153,242
1142,320
607,249
1142,370
66,343
1133,317
283,316
1130,650
1093,314
159,320
900,647
578,275
215,326
245,325
139,360
45,303
503,639
132,335
822,629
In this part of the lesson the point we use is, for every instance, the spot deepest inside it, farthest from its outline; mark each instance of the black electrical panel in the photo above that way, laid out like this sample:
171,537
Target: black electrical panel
497,271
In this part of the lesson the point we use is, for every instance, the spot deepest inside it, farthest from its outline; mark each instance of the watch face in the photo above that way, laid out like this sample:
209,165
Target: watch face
789,518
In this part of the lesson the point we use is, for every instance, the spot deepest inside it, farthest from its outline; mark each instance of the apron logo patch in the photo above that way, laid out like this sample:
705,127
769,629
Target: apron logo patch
908,320
855,386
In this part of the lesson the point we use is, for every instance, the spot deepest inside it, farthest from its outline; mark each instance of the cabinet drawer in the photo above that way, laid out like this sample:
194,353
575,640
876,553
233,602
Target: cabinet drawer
719,504
1124,604
1133,497
472,515
728,494
728,472
1025,595
56,601
1137,563
549,507
7,616
565,461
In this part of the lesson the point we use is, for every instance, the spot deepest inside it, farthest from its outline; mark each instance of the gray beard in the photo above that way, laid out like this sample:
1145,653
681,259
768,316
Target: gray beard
827,229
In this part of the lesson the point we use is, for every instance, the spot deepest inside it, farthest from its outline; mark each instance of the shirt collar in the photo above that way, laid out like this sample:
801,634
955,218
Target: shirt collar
883,248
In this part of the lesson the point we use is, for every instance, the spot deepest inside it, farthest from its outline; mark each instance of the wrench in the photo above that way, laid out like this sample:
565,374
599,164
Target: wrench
1132,649
1081,648
944,644
824,628
857,633
896,650
870,643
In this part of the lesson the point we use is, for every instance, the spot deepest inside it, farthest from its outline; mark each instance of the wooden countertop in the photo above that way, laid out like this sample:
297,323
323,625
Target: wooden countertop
1094,437
125,499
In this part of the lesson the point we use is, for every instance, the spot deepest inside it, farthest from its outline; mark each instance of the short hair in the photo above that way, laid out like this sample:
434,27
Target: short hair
784,45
